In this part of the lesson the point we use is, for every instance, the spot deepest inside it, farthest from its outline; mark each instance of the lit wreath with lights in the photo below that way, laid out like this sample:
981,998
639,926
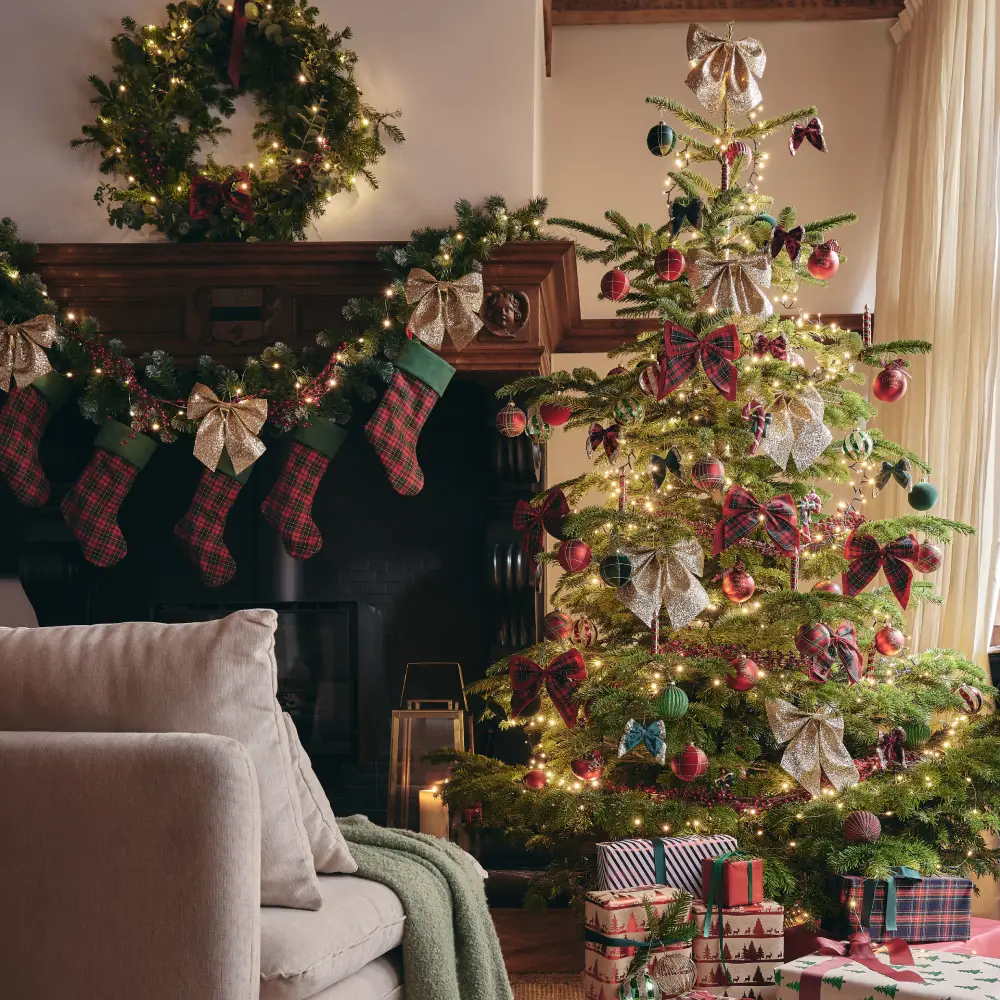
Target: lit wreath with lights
174,84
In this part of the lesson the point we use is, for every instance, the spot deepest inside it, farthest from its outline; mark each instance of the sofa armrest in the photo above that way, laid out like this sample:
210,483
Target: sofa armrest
129,867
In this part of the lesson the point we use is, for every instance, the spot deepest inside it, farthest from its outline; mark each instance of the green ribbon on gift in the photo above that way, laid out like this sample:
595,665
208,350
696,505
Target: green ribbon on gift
868,896
608,941
713,896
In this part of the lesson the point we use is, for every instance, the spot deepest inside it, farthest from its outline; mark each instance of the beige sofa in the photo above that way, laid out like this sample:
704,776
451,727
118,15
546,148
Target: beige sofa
130,870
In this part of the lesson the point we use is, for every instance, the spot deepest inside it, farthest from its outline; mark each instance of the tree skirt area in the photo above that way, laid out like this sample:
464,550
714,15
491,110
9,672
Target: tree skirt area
547,986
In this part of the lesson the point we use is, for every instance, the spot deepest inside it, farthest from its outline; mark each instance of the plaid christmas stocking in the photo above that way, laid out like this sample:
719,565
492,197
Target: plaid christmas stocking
421,377
91,506
288,507
23,420
201,528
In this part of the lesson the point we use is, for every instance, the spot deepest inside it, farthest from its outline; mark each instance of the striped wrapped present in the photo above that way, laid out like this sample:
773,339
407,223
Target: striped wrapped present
673,861
916,909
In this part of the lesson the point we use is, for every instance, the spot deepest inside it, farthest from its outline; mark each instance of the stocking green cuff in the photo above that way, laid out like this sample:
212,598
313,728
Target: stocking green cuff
54,388
120,439
322,435
225,466
424,364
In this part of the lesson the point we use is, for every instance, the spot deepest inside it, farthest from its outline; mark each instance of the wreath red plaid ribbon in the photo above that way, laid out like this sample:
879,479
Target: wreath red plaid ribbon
547,516
682,351
777,346
561,679
206,196
742,512
604,436
867,557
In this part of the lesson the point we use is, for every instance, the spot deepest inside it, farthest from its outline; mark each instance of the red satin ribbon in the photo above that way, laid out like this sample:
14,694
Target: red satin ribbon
858,948
236,46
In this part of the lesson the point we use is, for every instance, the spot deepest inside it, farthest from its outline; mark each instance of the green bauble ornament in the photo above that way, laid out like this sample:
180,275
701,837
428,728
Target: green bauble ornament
660,139
858,444
923,496
673,703
616,569
640,986
917,733
628,411
538,428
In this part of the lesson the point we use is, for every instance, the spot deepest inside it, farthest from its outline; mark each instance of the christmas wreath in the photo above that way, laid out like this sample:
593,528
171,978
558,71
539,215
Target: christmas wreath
173,85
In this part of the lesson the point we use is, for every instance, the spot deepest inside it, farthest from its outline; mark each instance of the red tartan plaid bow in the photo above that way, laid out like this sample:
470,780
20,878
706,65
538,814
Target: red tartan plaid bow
891,749
206,196
790,239
603,436
548,516
742,512
868,557
812,130
682,351
561,678
778,347
843,646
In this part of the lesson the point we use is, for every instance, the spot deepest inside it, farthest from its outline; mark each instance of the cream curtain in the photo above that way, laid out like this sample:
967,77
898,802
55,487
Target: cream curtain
936,281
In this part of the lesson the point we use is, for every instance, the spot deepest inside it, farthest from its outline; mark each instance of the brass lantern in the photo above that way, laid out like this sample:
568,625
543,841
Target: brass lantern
433,713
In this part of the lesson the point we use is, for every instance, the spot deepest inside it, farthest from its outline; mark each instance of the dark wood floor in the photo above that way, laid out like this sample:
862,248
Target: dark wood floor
540,942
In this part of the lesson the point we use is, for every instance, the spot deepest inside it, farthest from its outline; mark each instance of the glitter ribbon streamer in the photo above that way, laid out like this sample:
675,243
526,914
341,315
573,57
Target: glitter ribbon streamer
724,70
441,306
734,285
797,430
231,426
666,578
22,355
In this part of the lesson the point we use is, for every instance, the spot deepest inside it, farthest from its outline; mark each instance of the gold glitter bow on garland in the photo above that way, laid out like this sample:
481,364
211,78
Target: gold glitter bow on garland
233,426
724,69
735,285
667,578
444,305
815,745
797,431
21,350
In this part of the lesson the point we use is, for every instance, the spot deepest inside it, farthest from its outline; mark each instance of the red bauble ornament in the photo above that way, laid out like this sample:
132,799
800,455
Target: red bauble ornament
929,558
972,697
472,815
824,260
535,779
589,767
690,763
669,264
890,384
584,632
708,474
511,420
862,827
737,584
615,285
649,379
554,414
889,641
743,673
574,555
557,626
827,587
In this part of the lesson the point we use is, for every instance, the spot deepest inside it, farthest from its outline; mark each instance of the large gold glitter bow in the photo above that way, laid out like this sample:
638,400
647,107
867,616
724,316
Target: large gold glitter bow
797,431
667,578
21,355
724,70
815,745
233,426
444,305
732,284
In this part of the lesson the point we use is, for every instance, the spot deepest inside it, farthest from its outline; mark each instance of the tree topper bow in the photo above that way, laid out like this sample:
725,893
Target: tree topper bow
441,306
22,354
724,70
230,425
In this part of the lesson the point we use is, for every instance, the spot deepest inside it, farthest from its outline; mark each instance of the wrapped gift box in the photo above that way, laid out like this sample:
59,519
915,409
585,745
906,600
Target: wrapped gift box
984,939
742,880
619,916
930,909
623,864
753,946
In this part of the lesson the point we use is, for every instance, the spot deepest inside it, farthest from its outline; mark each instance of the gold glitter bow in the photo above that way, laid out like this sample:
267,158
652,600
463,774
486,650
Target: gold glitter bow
797,431
233,426
667,578
732,284
724,70
815,745
444,305
21,355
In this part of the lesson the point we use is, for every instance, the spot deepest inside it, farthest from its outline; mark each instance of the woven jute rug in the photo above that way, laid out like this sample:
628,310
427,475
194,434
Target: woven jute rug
554,986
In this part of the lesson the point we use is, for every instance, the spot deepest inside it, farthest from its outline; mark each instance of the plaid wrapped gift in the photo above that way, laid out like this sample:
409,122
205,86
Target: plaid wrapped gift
674,861
743,946
612,920
927,909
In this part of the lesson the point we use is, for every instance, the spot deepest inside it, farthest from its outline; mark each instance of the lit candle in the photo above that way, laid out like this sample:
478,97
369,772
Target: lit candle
433,813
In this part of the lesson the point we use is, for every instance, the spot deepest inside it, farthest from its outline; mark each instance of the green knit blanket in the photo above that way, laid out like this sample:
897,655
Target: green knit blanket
450,947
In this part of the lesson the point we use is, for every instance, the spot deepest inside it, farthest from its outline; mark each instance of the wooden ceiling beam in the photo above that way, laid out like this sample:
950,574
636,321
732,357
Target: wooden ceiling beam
566,12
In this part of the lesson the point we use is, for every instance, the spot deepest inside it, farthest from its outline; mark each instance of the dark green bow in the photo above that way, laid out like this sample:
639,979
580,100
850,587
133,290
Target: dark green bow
900,472
868,897
681,212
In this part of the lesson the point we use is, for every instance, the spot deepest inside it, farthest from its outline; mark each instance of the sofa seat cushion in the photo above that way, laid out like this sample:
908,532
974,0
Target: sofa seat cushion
303,952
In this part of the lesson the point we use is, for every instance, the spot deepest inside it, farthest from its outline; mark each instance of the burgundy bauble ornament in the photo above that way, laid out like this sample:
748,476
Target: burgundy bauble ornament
649,379
669,264
511,420
889,641
737,584
615,285
890,384
972,697
472,815
824,260
554,414
743,673
557,626
574,555
617,370
708,474
589,767
827,587
535,778
929,558
584,632
862,827
690,763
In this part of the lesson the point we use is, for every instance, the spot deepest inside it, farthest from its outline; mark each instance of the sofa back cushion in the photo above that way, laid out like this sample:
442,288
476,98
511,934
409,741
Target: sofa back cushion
216,677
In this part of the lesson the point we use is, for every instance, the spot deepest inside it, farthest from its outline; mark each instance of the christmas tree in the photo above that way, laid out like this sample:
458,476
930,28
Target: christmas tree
721,657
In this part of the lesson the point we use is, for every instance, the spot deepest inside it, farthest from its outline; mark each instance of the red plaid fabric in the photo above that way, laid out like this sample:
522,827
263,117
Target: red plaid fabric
395,427
200,529
867,557
843,646
288,507
91,507
742,512
548,516
23,420
561,678
777,347
682,351
606,437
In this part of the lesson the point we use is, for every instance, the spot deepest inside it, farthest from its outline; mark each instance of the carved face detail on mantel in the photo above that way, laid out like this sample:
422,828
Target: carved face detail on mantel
505,312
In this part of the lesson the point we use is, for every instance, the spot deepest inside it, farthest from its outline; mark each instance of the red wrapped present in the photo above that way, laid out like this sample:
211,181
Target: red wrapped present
984,940
733,879
739,947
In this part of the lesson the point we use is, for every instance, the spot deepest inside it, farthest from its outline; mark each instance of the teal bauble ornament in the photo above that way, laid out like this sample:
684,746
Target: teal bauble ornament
857,445
616,569
923,496
628,411
661,139
640,986
673,703
764,217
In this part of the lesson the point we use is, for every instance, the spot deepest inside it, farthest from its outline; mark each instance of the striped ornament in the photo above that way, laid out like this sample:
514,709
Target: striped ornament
858,444
628,411
972,697
673,703
649,379
862,827
584,632
626,864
